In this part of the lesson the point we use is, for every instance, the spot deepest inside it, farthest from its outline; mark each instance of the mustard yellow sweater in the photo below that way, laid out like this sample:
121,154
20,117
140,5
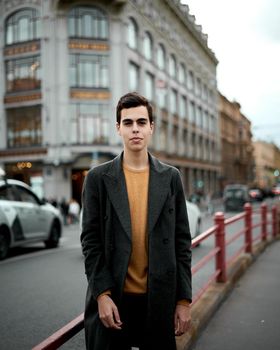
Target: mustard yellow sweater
137,182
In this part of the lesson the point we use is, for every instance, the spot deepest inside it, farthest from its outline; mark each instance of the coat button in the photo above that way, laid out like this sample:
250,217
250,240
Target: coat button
165,241
170,210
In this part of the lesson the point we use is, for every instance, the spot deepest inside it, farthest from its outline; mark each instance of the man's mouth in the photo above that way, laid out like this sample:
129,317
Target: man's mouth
136,139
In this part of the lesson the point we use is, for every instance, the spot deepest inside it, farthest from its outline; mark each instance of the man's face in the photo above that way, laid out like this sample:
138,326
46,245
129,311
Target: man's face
135,128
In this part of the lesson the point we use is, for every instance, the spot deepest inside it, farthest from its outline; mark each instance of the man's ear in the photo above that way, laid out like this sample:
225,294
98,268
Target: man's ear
118,128
152,127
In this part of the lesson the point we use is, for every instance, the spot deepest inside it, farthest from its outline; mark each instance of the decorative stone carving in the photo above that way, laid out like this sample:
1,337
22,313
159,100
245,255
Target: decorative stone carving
11,4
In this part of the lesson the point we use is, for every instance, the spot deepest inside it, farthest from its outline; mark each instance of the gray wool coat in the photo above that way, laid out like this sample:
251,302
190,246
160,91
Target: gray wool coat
106,245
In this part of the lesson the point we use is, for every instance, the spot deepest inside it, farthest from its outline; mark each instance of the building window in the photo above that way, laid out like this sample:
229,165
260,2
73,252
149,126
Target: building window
192,112
23,74
163,136
182,73
199,118
132,34
206,121
191,81
182,107
172,66
89,71
22,26
161,57
24,126
88,22
89,123
173,101
148,46
161,93
198,87
149,86
133,77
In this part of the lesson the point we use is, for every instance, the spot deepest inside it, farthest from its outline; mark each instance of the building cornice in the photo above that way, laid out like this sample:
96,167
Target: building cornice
182,11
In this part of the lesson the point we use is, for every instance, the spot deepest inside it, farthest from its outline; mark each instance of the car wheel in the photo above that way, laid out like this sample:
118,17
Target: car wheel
53,240
4,246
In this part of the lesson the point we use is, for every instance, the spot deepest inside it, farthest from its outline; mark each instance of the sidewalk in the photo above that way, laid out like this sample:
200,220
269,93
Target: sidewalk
249,318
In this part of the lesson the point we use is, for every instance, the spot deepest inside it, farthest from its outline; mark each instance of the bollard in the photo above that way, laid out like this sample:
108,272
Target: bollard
264,221
248,228
220,243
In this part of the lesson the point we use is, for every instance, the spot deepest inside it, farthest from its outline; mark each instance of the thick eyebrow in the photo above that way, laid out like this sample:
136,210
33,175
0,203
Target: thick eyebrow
137,120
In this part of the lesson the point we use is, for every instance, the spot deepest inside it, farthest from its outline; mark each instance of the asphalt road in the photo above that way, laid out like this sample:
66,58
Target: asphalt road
42,290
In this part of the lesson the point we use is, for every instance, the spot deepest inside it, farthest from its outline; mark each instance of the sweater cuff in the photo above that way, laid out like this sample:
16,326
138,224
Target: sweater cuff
107,292
184,302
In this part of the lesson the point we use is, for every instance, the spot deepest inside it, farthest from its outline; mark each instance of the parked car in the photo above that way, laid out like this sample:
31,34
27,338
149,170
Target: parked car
24,218
194,215
276,190
235,196
256,194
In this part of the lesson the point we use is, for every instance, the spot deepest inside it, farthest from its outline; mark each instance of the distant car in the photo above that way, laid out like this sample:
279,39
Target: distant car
194,216
235,196
24,218
276,190
256,194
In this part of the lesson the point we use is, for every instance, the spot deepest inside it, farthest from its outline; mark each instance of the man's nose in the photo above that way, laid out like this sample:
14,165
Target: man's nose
135,127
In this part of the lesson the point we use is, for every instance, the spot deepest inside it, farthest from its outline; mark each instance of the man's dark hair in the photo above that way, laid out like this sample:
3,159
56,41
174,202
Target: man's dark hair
130,100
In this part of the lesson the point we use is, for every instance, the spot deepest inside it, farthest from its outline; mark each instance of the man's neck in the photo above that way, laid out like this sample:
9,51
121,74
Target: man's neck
136,160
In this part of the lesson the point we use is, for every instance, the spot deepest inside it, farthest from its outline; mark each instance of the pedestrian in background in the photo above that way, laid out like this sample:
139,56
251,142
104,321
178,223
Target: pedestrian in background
74,211
64,207
136,243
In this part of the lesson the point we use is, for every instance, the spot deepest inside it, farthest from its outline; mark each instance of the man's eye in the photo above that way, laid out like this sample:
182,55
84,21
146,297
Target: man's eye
142,122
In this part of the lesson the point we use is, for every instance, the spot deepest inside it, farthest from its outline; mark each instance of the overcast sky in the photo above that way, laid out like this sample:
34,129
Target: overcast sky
245,36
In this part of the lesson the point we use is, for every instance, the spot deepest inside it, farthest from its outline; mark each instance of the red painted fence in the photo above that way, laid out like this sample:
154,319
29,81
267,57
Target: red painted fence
268,224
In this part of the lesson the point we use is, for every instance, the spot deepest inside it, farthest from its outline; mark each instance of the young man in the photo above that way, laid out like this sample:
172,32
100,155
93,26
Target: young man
136,242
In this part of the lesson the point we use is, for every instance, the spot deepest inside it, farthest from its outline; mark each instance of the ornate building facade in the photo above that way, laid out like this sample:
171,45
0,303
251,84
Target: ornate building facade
237,151
267,158
63,66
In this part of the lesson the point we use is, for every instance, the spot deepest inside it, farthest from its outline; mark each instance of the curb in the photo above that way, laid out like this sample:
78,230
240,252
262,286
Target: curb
205,308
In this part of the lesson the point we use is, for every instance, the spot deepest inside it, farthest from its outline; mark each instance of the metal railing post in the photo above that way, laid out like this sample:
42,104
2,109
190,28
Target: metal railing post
264,221
248,228
220,243
274,221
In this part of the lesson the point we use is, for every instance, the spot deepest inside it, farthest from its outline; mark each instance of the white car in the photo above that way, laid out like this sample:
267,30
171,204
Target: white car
194,215
24,218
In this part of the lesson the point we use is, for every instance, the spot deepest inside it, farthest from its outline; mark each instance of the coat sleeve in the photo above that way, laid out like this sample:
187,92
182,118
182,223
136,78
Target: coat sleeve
92,238
183,244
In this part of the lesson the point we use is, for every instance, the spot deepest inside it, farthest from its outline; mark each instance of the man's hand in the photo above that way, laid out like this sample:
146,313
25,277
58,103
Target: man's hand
108,312
182,319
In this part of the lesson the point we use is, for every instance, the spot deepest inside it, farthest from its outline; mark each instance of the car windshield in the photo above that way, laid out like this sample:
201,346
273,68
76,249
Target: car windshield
234,193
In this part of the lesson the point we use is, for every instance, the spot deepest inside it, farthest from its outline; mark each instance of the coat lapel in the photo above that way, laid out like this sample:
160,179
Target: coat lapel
159,186
116,188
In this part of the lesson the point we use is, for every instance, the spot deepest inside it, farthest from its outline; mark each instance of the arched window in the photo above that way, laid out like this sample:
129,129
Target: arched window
132,34
161,56
172,66
87,22
148,46
21,26
182,73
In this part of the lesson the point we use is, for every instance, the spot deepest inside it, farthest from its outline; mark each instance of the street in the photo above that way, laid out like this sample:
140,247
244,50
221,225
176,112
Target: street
42,290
